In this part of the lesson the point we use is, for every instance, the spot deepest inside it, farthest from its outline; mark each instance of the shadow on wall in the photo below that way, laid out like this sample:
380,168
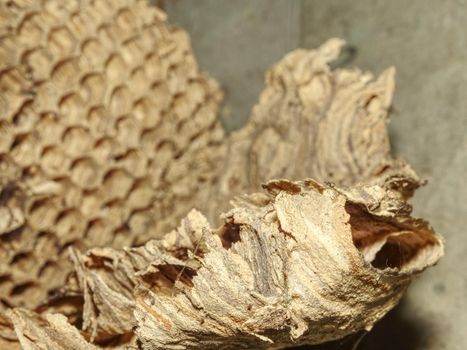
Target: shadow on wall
394,331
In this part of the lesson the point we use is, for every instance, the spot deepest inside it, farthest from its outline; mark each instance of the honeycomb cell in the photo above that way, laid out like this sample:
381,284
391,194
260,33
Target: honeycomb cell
55,161
61,42
134,162
39,62
76,141
90,58
128,131
30,30
43,213
71,109
24,149
141,195
70,225
85,173
146,111
117,183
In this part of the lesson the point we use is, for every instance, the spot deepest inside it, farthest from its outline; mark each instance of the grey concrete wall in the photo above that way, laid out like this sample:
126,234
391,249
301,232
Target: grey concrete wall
426,40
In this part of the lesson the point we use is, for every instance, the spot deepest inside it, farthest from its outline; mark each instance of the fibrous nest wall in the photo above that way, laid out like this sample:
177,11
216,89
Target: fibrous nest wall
109,138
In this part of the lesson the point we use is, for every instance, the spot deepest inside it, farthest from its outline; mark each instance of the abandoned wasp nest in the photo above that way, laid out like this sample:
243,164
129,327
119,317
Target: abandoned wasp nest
128,219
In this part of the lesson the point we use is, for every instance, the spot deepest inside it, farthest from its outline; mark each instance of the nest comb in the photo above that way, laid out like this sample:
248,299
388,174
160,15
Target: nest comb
103,112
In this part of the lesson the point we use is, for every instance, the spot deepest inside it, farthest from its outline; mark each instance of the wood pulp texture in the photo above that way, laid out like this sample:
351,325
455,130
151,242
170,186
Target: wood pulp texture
109,137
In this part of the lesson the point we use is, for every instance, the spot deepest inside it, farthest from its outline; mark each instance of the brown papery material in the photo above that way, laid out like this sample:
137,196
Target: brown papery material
109,137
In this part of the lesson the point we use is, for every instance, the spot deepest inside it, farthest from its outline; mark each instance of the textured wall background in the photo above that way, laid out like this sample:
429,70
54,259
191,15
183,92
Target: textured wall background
426,40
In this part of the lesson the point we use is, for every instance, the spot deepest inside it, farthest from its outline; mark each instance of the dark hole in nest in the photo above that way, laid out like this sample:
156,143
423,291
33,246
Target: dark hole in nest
5,278
21,288
115,341
8,192
18,258
181,253
368,229
393,255
57,298
98,261
65,301
12,235
230,234
165,276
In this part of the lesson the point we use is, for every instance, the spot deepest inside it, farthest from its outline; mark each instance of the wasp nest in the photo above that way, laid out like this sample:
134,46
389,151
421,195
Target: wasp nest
109,137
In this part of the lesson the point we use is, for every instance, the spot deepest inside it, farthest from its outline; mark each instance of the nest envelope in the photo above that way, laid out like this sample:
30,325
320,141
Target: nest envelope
129,219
